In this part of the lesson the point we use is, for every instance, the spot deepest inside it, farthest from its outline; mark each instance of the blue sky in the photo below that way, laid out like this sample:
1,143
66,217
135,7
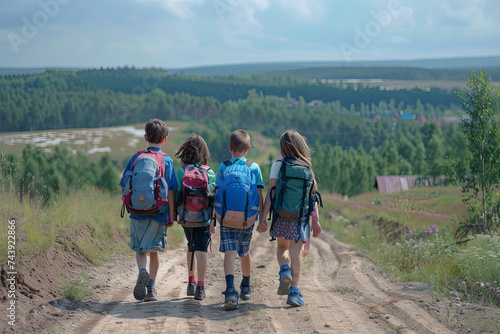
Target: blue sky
185,33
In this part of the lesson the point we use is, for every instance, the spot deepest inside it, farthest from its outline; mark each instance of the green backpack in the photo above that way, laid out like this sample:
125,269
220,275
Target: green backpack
294,198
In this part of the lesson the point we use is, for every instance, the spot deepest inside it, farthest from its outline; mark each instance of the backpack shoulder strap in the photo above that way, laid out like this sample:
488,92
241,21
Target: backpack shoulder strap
227,163
204,167
137,156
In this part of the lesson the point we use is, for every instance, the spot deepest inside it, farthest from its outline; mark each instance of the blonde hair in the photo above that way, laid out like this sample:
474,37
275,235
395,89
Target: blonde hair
293,145
239,141
194,151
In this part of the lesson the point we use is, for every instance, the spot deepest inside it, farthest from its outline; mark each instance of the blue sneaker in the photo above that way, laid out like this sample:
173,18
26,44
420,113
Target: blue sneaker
294,299
285,280
246,292
140,286
231,300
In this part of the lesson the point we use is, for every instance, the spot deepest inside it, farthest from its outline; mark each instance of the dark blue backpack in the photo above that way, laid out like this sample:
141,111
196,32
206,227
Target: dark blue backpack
237,200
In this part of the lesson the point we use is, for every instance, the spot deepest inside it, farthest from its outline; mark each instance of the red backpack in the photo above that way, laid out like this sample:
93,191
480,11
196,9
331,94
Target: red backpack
194,205
145,187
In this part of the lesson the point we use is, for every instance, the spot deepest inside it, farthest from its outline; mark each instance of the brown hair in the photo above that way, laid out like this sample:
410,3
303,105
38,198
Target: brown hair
293,145
194,151
239,141
156,131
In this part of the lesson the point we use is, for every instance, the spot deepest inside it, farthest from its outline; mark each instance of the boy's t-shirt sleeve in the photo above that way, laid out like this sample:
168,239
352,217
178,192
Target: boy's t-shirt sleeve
258,175
219,172
170,173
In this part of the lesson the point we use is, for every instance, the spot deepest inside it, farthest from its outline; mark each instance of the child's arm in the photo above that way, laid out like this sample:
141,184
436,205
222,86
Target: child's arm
316,227
266,207
171,207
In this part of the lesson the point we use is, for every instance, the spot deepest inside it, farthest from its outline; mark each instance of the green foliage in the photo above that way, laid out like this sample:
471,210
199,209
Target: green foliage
478,172
77,289
350,148
41,176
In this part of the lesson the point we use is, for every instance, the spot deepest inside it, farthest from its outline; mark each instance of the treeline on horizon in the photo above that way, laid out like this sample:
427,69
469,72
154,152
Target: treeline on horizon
68,99
350,149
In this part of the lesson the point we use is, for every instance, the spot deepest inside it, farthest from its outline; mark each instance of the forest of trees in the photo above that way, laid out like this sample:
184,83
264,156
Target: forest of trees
350,149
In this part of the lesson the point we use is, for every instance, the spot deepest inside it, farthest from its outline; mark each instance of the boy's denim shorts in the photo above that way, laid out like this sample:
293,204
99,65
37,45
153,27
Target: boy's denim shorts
147,235
235,239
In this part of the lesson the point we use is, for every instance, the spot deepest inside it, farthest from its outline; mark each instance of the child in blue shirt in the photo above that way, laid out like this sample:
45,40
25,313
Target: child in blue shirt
233,240
148,234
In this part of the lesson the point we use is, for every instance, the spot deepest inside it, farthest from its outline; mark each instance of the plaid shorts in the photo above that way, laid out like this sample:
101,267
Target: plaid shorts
235,239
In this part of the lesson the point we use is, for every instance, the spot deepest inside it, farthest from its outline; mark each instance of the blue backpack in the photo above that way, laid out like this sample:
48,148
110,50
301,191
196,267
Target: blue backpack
237,200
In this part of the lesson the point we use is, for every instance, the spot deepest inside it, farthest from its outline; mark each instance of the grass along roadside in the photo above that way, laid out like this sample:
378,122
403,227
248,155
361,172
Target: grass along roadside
87,220
410,235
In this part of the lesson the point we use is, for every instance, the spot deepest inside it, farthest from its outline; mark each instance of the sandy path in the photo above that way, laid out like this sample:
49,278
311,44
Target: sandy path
343,293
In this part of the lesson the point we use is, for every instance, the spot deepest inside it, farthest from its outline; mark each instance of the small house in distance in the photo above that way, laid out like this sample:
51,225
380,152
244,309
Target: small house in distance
394,183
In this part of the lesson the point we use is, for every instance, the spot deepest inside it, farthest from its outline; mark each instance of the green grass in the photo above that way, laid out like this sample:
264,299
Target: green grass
88,219
390,229
78,289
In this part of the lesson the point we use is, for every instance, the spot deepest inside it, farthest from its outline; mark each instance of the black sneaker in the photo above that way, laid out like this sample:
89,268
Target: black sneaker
190,289
199,293
246,291
151,296
140,286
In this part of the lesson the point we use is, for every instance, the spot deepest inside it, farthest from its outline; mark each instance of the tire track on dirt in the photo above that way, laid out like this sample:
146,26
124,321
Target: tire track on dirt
342,293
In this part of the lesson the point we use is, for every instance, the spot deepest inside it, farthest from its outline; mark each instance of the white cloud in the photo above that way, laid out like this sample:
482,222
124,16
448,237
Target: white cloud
305,10
470,18
179,8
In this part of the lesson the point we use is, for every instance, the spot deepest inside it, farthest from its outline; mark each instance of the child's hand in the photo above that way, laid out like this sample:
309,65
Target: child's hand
170,222
316,227
211,228
262,227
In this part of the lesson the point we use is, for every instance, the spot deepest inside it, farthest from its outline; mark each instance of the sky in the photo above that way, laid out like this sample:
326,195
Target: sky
188,33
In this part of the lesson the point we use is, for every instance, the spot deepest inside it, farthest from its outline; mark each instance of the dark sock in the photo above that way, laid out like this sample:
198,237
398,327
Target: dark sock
245,281
229,282
151,283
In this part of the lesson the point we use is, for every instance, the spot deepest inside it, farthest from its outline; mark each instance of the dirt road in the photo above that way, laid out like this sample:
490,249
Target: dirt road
343,293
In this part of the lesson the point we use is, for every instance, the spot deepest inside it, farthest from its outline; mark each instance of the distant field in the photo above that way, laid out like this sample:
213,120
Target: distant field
119,142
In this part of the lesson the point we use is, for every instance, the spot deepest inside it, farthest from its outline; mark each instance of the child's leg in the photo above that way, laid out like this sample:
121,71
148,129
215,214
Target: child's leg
201,265
191,271
282,247
229,262
141,259
296,261
154,264
246,265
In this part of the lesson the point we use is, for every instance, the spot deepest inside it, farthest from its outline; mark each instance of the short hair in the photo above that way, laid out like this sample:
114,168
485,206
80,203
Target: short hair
239,141
156,131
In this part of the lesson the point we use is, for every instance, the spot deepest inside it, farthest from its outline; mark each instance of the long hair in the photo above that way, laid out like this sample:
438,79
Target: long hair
293,145
193,151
